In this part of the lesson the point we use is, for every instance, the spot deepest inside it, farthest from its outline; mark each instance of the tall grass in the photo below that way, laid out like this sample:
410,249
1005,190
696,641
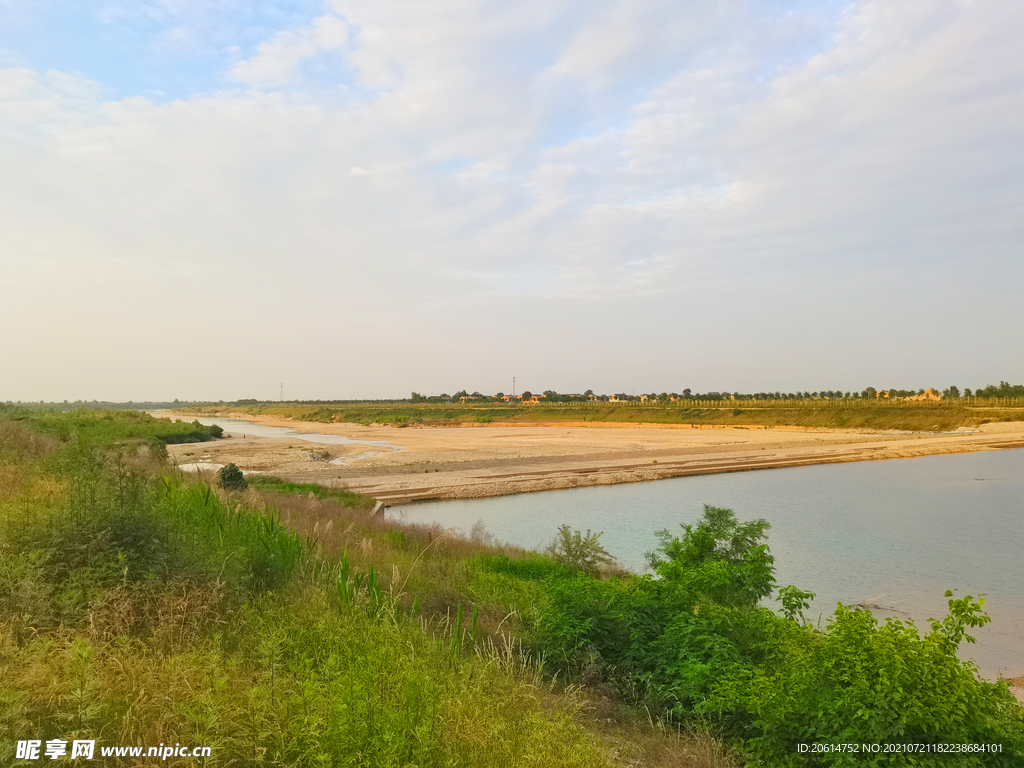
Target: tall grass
139,611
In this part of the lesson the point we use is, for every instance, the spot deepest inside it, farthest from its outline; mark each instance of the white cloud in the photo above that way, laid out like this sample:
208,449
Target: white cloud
277,60
538,162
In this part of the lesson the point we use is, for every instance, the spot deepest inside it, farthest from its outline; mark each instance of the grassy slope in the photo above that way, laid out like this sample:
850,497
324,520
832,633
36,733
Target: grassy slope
932,417
140,611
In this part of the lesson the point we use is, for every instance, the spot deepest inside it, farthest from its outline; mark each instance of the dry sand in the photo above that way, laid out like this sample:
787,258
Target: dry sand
495,460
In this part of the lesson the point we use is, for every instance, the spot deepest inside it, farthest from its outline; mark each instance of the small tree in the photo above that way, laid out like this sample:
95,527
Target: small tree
718,558
232,479
580,551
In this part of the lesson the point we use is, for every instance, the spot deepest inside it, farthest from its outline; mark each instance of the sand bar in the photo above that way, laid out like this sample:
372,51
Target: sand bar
454,462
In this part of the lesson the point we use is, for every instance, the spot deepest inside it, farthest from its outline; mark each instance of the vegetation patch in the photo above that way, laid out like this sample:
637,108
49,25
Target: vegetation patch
338,495
283,625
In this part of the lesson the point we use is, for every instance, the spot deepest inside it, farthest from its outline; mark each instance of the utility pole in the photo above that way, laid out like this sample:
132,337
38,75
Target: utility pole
282,391
513,386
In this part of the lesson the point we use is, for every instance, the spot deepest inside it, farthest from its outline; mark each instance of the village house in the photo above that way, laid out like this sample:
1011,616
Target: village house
928,394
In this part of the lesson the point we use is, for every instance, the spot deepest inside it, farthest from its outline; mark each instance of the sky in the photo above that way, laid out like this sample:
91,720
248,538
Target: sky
204,199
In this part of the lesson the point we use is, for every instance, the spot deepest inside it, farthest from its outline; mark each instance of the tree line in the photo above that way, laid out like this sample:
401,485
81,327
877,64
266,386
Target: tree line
953,392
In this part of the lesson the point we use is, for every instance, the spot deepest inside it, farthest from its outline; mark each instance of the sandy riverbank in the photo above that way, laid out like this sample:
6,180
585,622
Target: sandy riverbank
495,460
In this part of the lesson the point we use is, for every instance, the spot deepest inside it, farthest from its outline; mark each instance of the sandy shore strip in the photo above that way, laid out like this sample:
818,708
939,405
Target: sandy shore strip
496,460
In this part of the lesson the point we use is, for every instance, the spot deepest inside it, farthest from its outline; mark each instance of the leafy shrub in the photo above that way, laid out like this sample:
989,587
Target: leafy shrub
864,682
582,552
695,644
718,559
232,479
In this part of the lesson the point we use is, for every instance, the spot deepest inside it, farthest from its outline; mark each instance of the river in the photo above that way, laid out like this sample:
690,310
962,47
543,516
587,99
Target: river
251,428
897,533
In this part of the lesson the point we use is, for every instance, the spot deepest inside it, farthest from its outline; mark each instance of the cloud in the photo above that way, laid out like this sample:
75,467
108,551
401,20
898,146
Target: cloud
277,60
805,175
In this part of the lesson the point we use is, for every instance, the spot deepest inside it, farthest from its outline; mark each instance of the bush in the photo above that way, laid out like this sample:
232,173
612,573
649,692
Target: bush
868,683
232,479
718,559
582,552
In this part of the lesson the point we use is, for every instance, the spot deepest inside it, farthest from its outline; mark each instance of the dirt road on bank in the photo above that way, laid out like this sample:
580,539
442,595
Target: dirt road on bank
496,460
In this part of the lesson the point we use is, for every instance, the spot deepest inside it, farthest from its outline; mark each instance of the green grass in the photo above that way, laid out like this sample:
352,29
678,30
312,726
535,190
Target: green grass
337,495
833,414
140,610
108,427
283,625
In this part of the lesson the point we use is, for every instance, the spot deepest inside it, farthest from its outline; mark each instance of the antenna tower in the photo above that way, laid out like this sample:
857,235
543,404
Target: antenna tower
513,386
282,391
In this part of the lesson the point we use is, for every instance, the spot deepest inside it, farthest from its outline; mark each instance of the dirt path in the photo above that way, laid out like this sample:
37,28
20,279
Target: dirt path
495,460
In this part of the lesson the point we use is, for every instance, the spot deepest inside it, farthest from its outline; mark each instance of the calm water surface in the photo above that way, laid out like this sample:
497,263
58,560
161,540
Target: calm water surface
898,532
251,428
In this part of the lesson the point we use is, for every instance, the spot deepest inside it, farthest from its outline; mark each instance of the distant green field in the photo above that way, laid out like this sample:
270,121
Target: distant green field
835,414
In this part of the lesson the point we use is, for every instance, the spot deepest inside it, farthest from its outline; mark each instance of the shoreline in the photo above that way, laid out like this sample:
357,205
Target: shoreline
481,460
447,463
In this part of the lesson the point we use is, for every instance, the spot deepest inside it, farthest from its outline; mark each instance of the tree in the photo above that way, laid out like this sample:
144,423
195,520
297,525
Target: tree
952,392
718,559
869,393
589,392
417,397
527,395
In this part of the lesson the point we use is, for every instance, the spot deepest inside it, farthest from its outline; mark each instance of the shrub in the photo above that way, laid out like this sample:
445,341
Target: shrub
718,559
580,551
868,683
232,479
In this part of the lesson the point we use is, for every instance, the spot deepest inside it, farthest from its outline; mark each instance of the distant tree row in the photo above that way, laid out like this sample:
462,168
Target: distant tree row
1004,389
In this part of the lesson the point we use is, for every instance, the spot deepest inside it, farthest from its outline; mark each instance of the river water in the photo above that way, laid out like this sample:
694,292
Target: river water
251,428
897,533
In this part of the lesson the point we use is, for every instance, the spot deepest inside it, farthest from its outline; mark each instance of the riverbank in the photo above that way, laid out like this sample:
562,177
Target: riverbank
479,460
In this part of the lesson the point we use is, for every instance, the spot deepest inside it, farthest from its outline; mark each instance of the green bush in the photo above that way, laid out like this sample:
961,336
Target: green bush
579,551
232,479
861,682
695,645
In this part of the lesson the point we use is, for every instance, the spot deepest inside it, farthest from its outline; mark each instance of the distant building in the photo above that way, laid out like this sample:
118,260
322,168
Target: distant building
928,394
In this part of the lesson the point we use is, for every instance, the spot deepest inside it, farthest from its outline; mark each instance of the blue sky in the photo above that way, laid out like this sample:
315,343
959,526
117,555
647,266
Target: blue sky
372,197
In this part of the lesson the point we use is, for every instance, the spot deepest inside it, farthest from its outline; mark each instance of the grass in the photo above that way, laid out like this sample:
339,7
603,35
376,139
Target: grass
283,625
338,495
138,609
